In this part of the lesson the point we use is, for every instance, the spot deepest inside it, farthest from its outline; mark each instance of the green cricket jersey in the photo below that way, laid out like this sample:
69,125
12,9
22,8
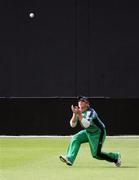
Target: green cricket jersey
95,123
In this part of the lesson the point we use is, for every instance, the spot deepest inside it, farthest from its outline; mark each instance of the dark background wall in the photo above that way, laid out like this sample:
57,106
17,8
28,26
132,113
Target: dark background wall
50,116
70,47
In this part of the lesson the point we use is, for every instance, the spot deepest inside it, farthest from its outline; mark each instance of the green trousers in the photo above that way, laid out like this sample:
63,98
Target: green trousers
95,141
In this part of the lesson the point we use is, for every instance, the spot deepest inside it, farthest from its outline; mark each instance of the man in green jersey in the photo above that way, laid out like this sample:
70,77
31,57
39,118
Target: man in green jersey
94,133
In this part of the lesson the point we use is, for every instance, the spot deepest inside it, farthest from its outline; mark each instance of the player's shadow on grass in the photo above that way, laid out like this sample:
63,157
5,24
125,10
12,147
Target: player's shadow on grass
128,167
124,167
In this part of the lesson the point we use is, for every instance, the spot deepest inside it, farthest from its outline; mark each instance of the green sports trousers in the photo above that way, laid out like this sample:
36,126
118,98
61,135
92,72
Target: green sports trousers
95,141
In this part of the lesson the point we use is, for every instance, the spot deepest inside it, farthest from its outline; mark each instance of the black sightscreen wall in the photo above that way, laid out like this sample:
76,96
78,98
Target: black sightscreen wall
50,116
70,47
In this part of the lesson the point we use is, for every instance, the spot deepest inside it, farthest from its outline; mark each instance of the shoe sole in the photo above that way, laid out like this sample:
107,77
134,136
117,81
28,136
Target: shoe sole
64,160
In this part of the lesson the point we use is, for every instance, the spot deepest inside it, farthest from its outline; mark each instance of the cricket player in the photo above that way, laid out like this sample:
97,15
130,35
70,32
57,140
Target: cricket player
94,133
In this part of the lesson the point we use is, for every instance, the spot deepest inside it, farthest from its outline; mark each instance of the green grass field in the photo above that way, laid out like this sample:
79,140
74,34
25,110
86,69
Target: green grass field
38,159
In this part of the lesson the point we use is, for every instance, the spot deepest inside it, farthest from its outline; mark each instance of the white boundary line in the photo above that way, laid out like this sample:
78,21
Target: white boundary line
56,136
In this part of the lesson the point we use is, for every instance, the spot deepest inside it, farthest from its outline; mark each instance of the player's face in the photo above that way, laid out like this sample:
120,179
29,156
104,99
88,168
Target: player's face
83,105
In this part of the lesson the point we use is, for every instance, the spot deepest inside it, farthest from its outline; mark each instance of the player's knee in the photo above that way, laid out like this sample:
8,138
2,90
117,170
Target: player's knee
97,155
75,138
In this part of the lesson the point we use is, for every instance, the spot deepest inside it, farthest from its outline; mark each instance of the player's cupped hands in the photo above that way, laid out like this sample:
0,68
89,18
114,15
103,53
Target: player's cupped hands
75,109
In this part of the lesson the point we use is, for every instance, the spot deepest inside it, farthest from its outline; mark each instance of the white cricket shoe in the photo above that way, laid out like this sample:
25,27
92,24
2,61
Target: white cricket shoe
65,160
118,163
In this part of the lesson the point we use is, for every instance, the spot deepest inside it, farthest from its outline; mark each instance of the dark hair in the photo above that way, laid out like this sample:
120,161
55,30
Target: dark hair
83,98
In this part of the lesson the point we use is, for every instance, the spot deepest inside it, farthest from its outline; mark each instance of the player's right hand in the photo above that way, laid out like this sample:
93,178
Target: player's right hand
74,109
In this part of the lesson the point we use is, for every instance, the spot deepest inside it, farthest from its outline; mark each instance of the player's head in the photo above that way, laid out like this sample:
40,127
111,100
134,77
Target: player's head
83,102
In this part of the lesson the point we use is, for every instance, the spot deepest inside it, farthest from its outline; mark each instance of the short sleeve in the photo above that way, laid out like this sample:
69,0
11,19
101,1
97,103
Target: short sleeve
91,114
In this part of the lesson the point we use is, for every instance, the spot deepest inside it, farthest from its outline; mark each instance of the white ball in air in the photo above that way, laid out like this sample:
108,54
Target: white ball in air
31,15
